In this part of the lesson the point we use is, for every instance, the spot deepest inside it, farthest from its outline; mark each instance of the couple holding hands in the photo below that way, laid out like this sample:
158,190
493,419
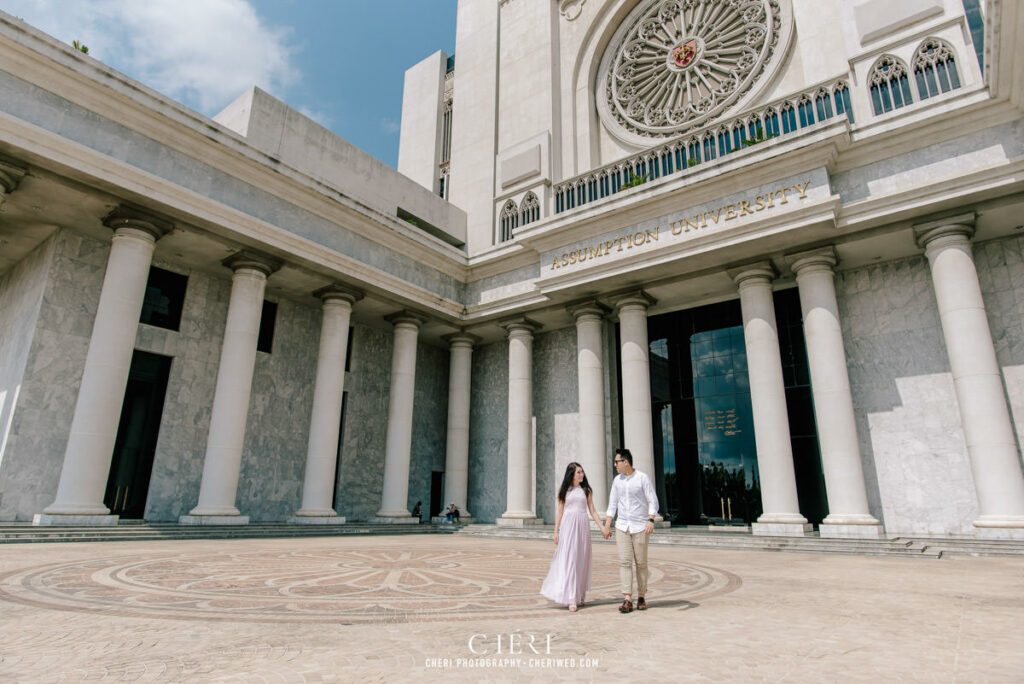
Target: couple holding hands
632,503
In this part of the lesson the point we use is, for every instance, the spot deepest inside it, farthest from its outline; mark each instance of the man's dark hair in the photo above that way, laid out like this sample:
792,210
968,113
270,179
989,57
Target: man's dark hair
624,453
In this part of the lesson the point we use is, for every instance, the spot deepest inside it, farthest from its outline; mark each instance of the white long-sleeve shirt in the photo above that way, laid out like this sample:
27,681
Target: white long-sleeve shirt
633,498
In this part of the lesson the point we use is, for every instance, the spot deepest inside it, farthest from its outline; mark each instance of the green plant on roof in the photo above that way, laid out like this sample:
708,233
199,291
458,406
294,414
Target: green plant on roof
635,180
84,49
759,138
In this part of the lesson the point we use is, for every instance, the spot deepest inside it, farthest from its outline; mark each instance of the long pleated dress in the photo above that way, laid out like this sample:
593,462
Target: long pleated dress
569,577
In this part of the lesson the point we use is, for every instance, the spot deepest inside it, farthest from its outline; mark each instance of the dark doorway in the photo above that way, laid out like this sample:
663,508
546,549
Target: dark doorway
702,419
436,492
135,446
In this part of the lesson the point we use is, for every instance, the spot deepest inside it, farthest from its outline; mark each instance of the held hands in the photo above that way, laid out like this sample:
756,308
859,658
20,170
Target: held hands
606,532
649,527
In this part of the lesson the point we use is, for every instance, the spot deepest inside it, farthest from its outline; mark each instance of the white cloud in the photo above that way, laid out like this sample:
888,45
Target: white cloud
389,125
202,52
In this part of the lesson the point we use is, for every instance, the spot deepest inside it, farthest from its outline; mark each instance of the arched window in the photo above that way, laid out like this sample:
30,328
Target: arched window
841,96
890,87
771,123
509,221
823,104
935,69
529,210
788,114
806,108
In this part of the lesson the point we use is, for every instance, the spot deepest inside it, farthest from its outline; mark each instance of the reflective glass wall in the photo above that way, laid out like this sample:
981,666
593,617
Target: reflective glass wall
705,453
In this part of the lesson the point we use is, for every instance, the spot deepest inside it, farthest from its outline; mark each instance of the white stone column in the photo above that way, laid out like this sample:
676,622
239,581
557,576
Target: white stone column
223,461
398,447
521,481
83,478
637,428
325,419
593,450
781,516
456,460
991,445
833,403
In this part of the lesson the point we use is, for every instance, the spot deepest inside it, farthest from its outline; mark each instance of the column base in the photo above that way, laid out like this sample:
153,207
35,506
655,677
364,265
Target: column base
394,520
317,520
828,530
71,519
999,527
779,529
519,522
213,520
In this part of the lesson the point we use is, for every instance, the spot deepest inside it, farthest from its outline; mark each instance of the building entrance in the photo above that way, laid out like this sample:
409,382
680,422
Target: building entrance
704,446
135,446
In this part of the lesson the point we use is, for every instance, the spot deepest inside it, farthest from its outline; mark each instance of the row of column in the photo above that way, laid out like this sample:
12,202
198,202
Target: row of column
991,445
94,424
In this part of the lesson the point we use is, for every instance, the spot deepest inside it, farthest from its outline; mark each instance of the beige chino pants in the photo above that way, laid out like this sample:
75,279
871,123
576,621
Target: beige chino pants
632,551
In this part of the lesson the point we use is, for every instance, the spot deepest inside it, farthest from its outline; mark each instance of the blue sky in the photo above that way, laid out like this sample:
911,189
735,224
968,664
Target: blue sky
339,61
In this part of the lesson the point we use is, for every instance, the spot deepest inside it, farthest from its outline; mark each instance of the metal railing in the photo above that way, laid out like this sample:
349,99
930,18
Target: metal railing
781,118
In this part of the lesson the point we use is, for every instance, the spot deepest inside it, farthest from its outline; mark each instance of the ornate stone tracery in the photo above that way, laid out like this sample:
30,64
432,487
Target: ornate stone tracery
676,64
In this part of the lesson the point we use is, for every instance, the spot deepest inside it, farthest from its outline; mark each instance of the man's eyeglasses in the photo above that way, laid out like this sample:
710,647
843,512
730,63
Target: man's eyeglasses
619,460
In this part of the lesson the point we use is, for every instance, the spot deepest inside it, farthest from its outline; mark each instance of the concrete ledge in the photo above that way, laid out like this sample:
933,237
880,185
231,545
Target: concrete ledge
213,520
743,529
317,520
781,529
840,531
409,520
463,520
518,522
60,519
1008,533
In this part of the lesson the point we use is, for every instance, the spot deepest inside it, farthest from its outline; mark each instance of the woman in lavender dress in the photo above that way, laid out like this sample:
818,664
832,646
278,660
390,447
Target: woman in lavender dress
569,577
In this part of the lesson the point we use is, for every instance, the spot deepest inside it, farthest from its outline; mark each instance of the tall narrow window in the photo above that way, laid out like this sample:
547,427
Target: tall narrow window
268,318
509,221
164,300
890,87
935,69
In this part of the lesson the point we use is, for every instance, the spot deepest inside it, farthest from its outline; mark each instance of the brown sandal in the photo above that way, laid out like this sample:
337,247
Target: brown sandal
626,607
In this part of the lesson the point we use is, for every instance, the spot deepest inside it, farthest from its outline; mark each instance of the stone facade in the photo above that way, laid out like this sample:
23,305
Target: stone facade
834,168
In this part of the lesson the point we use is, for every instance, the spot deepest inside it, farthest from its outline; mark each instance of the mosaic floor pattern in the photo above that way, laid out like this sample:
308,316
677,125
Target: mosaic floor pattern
368,585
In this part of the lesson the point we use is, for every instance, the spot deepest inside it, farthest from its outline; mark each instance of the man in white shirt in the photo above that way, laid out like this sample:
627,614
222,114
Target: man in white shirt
633,504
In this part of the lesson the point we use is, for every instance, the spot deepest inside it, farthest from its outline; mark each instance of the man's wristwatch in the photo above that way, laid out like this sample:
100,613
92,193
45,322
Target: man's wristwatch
650,520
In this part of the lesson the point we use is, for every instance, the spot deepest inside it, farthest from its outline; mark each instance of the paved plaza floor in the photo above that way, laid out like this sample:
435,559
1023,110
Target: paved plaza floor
450,608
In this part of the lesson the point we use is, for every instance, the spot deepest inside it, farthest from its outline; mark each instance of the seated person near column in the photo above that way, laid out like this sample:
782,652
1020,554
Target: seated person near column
453,514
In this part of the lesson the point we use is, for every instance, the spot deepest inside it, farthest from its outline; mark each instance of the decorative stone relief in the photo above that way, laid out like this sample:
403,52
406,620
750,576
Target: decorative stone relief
571,9
676,64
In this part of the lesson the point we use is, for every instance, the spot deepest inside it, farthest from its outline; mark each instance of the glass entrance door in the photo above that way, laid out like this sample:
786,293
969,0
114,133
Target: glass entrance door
703,421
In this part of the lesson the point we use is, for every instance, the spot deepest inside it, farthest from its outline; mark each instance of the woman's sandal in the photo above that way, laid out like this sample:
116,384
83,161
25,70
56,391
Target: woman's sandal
572,607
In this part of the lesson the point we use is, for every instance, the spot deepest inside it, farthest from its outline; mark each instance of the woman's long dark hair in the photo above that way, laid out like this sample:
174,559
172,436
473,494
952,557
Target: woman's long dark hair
570,472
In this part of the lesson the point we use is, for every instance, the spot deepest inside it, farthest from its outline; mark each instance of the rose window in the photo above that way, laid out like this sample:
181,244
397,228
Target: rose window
675,64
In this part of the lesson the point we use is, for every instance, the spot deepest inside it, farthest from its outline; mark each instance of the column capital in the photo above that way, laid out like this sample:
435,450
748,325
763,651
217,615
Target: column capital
338,291
126,216
633,298
587,308
254,260
11,174
461,339
407,317
520,324
960,228
823,259
761,271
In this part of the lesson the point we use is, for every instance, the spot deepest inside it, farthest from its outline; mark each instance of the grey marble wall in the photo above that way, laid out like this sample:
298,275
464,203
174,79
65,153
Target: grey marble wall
915,461
556,408
21,296
1001,274
488,432
185,422
53,372
367,386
